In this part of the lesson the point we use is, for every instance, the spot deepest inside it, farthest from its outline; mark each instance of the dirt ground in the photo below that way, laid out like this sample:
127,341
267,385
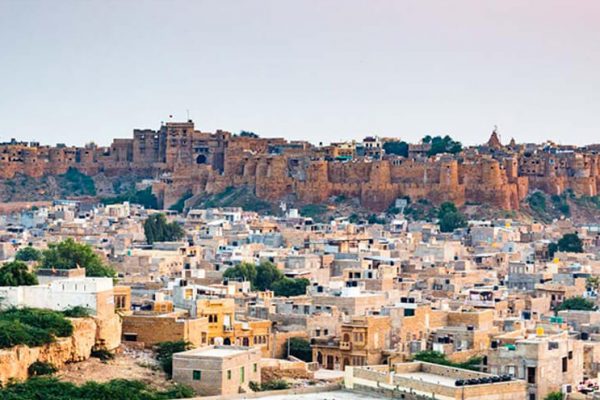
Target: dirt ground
127,364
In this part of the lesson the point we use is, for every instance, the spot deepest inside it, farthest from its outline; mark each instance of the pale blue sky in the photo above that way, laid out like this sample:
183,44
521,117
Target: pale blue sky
77,71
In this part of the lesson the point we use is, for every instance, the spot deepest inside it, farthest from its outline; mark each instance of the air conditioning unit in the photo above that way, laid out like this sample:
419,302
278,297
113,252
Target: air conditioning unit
566,389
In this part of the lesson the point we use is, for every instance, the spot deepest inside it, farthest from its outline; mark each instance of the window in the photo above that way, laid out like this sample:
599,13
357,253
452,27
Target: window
255,367
565,364
570,355
196,375
229,375
242,374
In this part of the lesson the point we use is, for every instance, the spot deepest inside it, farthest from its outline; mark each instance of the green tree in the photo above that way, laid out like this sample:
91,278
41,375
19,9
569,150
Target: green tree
435,357
28,254
69,254
165,351
40,368
180,204
243,272
290,287
576,303
570,242
396,147
143,197
248,134
537,202
266,274
157,229
16,273
554,396
300,348
450,218
443,145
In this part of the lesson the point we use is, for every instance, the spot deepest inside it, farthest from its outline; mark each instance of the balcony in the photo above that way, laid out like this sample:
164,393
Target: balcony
228,328
345,345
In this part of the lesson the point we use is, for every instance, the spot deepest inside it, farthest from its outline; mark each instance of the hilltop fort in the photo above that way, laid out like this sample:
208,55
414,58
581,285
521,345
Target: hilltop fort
183,160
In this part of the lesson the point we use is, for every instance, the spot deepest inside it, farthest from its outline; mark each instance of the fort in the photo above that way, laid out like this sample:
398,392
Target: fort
184,160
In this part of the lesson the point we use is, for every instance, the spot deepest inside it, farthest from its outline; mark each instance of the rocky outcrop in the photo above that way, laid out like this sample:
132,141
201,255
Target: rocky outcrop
15,361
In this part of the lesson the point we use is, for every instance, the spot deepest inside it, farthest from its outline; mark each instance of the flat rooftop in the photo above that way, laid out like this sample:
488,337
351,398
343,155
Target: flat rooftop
429,378
215,352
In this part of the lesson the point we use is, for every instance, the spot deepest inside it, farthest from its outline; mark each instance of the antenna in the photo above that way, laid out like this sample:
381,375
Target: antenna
188,114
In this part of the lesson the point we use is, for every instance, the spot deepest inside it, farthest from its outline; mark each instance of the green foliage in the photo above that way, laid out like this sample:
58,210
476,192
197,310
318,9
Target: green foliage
16,273
248,134
28,254
560,203
290,287
276,384
157,229
374,219
314,211
37,388
300,348
77,312
243,197
40,368
143,197
165,351
32,327
266,274
180,204
397,147
576,303
77,183
570,242
436,357
102,354
243,272
537,202
554,396
442,145
450,218
69,254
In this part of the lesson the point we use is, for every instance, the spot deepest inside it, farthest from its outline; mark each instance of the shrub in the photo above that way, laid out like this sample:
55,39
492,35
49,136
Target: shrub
16,273
577,303
32,327
117,389
276,384
77,312
300,348
28,254
157,229
40,368
102,354
165,351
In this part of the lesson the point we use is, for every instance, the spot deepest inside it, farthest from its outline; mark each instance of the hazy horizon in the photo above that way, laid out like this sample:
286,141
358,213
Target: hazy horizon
74,72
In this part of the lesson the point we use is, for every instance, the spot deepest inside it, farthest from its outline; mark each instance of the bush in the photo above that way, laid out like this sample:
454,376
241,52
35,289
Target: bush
577,303
165,351
300,348
40,368
32,327
77,312
77,183
37,388
290,287
102,354
180,204
436,357
537,202
276,384
28,254
143,197
16,273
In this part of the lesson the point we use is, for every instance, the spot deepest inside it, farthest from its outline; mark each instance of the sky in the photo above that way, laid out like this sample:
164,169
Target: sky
80,71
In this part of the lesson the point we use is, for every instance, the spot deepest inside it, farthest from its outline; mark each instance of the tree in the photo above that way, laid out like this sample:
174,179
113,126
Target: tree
248,134
442,145
69,254
165,351
570,242
576,303
435,357
300,348
450,218
396,147
290,287
28,254
554,396
266,274
157,229
16,273
143,197
243,272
